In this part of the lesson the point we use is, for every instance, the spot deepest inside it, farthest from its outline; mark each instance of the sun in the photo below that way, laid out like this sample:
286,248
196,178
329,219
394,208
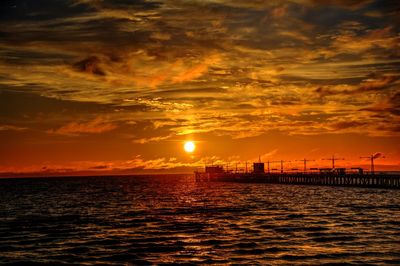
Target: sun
189,146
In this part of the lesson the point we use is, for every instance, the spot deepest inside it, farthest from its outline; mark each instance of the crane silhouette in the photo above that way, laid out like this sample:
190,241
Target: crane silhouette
305,163
268,170
333,159
281,161
372,157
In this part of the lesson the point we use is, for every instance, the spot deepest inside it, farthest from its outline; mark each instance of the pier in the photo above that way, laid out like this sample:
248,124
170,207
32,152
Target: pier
351,180
334,177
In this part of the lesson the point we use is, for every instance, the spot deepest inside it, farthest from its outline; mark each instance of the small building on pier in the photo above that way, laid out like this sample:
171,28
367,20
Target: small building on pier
258,168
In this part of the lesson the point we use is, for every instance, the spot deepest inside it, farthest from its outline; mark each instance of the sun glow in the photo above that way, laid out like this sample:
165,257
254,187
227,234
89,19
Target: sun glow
189,146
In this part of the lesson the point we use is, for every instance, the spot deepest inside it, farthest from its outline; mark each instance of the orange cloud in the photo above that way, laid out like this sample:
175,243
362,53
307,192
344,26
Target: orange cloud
374,84
141,69
279,12
197,70
97,125
351,43
11,127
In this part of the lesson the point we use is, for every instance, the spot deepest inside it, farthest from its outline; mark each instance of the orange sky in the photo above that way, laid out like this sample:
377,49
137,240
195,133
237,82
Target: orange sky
118,86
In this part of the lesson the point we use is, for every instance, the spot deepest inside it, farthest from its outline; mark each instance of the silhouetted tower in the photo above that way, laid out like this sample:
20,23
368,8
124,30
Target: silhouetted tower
372,158
268,167
333,159
305,163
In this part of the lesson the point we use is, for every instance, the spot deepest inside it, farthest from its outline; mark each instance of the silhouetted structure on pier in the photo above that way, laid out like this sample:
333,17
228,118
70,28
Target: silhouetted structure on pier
258,168
305,163
333,159
281,161
354,177
372,157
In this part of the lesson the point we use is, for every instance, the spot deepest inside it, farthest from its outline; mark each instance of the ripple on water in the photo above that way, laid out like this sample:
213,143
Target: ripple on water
172,220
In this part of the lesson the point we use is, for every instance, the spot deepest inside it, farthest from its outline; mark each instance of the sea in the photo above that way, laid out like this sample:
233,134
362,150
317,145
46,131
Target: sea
171,219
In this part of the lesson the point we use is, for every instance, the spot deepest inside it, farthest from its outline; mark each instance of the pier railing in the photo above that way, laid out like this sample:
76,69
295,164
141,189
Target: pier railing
328,179
371,180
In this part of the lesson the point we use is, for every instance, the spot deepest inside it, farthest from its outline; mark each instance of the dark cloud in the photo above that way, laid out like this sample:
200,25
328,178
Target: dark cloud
395,99
90,65
245,106
100,167
13,56
286,101
38,10
390,106
352,4
378,84
124,4
347,124
189,92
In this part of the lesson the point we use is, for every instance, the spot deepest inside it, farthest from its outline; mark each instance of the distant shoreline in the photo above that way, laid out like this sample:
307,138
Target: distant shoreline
74,175
31,176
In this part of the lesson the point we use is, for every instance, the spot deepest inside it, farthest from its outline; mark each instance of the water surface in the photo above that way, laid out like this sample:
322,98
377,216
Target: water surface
172,219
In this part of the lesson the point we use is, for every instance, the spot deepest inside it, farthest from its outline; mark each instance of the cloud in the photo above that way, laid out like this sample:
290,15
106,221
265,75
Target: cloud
99,167
378,83
12,128
390,105
352,42
372,84
347,124
351,4
141,69
279,12
90,65
197,70
95,126
269,154
136,164
152,139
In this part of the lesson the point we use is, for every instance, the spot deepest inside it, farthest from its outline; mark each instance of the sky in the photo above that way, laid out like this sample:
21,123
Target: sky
118,86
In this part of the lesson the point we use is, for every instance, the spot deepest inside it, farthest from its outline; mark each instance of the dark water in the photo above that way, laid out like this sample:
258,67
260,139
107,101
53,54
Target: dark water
146,220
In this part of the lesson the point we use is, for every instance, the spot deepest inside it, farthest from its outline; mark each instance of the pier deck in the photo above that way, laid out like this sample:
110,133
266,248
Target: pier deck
347,180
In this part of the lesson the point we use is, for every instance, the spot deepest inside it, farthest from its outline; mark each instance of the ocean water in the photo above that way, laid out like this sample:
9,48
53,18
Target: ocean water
146,220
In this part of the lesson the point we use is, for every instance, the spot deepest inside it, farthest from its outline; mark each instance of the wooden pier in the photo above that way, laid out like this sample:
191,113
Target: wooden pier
351,180
324,179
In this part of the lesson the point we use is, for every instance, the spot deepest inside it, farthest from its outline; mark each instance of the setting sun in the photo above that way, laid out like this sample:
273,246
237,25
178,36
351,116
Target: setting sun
189,146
